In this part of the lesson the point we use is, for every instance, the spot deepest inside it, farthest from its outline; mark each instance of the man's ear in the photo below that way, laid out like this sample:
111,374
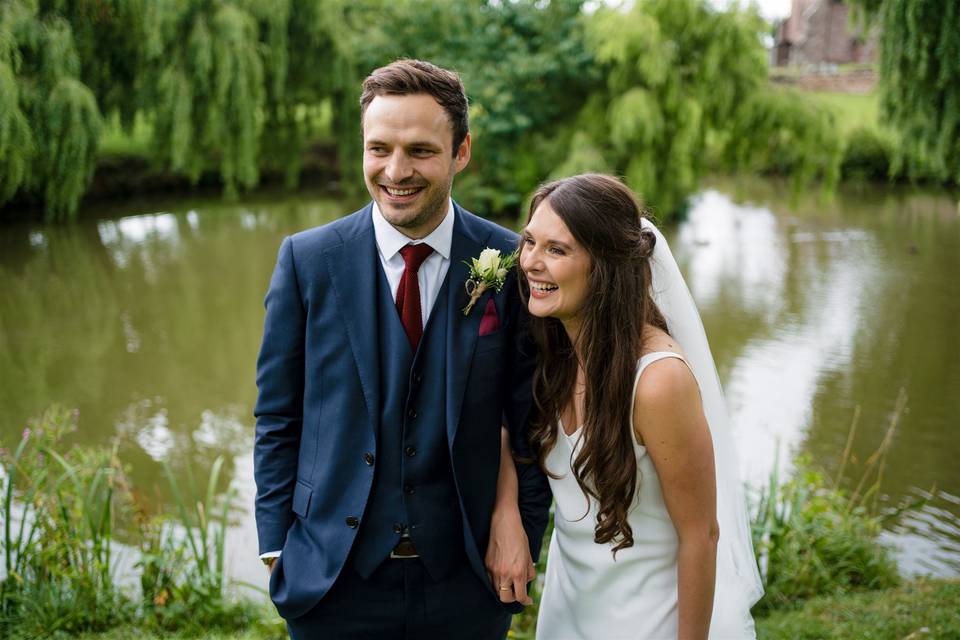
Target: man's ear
462,158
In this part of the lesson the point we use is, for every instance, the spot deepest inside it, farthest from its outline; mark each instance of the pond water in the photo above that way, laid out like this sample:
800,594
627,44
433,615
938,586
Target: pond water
147,317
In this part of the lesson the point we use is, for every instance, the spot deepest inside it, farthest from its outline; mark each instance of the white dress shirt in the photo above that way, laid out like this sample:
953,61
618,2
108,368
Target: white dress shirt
434,268
430,276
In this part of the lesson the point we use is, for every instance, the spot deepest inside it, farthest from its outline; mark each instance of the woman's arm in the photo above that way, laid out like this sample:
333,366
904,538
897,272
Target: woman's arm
668,418
508,559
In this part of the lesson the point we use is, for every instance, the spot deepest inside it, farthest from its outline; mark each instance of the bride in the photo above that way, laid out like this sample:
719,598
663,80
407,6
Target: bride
650,534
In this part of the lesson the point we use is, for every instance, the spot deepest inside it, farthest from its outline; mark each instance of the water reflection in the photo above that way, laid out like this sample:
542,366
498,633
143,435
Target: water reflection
816,308
799,293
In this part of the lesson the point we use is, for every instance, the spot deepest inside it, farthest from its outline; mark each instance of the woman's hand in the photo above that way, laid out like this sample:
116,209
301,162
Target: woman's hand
508,560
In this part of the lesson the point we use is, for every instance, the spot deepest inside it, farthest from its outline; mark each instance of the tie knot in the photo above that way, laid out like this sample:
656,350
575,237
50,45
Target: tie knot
415,254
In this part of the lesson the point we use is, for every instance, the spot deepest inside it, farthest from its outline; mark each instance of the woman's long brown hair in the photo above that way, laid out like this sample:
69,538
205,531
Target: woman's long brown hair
603,215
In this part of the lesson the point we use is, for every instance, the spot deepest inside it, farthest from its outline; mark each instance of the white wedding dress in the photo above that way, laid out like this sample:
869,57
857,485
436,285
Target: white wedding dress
587,594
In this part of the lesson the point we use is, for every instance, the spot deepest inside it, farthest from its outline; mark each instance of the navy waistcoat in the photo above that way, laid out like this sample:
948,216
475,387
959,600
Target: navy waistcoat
413,485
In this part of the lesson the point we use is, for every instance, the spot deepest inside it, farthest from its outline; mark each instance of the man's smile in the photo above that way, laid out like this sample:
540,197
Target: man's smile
396,193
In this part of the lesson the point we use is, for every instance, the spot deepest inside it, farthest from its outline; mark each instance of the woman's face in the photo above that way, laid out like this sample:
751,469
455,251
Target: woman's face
557,267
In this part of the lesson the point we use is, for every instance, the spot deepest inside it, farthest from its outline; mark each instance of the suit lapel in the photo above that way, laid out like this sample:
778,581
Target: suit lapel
353,267
462,331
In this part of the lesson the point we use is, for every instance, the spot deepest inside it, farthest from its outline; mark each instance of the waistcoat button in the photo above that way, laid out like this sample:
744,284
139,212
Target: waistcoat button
352,522
368,458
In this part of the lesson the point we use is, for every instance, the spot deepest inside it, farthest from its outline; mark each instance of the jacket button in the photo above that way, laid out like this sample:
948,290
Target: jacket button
417,377
412,413
352,522
407,489
410,451
368,458
397,527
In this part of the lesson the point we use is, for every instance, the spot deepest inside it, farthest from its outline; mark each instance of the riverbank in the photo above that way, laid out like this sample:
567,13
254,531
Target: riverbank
918,609
125,171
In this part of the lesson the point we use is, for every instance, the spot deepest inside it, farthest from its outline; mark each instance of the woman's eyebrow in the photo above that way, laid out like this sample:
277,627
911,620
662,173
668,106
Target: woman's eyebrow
560,243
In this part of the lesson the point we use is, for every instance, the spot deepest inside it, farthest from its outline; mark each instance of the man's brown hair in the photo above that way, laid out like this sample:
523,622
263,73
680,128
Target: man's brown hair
409,77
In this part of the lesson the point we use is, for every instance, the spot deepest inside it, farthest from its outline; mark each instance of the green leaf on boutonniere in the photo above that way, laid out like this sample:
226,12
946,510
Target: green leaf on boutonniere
489,271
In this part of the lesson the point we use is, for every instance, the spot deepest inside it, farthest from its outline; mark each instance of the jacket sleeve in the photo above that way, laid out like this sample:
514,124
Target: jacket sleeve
279,407
534,495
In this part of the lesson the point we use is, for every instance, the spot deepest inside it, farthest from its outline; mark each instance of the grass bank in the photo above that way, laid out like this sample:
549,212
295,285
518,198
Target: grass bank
928,609
851,110
921,609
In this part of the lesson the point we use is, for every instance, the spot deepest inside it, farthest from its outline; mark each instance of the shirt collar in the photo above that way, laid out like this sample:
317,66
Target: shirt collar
390,241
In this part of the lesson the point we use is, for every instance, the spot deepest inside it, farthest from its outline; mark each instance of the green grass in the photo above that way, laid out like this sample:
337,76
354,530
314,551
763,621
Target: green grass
851,110
925,609
127,633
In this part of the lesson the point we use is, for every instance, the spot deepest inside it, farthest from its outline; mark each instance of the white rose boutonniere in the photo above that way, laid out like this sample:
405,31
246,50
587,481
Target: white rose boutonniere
488,271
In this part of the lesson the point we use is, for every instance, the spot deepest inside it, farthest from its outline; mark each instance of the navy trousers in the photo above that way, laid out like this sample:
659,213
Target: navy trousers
399,601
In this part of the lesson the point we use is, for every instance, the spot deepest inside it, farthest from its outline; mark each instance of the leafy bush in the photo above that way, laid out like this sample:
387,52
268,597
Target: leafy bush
813,541
867,155
814,538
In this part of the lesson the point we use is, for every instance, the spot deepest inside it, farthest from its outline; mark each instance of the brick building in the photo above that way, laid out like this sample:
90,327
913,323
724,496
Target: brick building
819,32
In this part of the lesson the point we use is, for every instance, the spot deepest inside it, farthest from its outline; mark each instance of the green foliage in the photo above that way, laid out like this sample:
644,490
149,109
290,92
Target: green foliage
59,515
58,521
183,577
239,87
209,91
812,541
49,120
920,81
778,131
867,155
922,609
16,139
814,538
211,80
675,70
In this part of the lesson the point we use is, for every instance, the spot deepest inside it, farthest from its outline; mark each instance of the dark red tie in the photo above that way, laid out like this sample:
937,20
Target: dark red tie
408,293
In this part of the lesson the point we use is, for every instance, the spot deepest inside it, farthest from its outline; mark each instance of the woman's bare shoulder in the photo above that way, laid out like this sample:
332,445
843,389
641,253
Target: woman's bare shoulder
656,339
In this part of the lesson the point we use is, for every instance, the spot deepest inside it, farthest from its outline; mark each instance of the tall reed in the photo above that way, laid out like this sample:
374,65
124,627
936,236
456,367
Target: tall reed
183,559
813,537
58,526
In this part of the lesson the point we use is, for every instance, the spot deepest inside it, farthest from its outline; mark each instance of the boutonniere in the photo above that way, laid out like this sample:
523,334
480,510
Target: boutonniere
489,271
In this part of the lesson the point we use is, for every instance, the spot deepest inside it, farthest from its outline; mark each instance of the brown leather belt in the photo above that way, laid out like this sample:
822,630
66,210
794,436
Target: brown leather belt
404,549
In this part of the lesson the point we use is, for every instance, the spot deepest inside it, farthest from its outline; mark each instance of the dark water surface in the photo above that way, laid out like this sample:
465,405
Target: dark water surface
148,319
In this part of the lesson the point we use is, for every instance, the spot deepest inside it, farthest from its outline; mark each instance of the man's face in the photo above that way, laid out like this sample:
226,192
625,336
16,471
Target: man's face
408,160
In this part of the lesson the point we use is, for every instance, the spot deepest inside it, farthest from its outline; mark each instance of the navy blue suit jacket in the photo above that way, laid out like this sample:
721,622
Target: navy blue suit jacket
319,402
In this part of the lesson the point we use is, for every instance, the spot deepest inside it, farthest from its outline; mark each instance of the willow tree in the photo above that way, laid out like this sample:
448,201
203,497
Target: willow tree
920,80
216,81
685,84
49,120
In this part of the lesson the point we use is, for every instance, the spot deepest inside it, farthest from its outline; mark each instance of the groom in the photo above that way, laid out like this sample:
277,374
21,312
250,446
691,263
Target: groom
380,403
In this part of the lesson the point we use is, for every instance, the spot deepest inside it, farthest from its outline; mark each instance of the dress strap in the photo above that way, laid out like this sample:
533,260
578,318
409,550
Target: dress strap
645,361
